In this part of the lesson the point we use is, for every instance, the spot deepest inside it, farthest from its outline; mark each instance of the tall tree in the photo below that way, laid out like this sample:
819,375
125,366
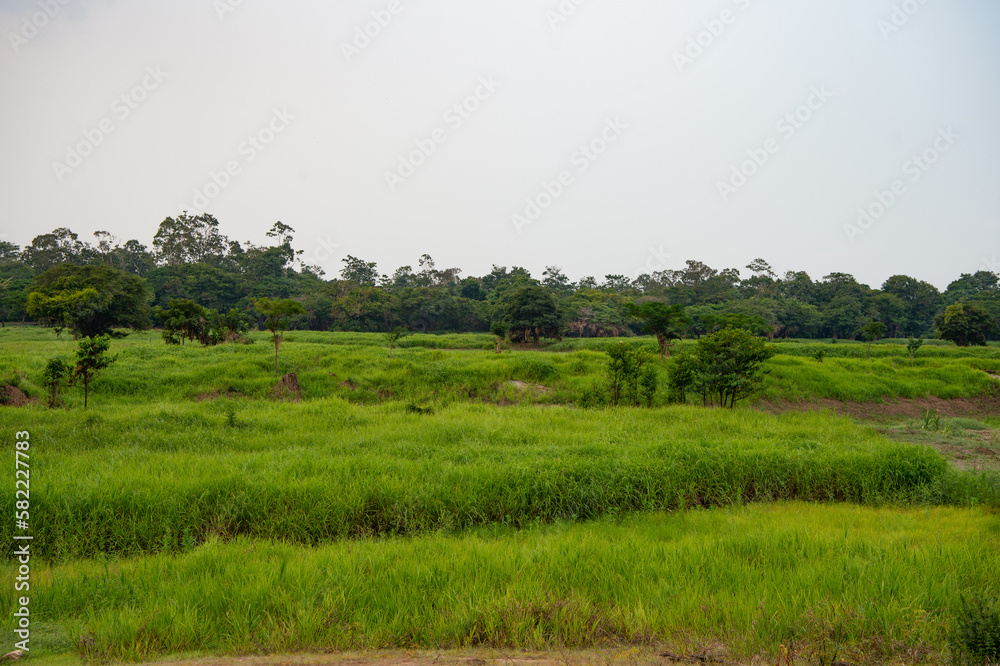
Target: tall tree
965,324
90,300
664,321
532,312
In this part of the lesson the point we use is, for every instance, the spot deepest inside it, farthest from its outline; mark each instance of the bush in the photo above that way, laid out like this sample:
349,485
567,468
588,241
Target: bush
976,633
726,366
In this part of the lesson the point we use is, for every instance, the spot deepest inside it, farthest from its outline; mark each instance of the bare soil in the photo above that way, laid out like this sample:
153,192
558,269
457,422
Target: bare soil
894,410
634,655
11,396
288,388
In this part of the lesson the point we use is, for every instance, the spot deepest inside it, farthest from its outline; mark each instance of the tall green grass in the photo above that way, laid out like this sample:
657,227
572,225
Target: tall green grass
866,585
128,479
462,368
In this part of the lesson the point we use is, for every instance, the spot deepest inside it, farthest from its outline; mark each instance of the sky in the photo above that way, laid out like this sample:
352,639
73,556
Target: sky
856,136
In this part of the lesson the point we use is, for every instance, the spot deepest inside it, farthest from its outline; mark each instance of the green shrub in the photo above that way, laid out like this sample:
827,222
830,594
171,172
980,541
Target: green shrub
976,634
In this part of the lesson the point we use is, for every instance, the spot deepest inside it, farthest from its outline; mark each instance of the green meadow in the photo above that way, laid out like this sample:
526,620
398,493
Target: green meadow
452,497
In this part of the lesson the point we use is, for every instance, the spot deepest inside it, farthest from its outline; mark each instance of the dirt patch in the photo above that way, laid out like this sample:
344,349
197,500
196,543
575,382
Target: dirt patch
349,385
525,387
215,394
892,410
624,655
11,396
288,388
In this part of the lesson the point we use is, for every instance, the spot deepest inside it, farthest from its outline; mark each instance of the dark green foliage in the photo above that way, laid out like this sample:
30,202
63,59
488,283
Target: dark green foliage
630,381
965,324
499,329
873,331
91,358
229,327
680,377
90,300
57,372
913,346
531,312
664,321
182,319
726,366
976,633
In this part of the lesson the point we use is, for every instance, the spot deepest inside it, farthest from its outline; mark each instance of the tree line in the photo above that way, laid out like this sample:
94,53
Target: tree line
190,260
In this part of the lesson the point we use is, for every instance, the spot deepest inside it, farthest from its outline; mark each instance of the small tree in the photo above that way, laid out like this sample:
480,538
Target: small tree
182,318
662,320
277,317
91,358
499,329
229,327
872,331
630,380
393,337
912,346
726,365
56,372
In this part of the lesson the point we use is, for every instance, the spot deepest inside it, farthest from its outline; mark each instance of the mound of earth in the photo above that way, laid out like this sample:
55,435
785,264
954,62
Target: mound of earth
11,396
287,388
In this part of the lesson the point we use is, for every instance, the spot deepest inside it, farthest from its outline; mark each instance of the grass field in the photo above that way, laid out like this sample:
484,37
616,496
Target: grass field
454,497
459,368
867,585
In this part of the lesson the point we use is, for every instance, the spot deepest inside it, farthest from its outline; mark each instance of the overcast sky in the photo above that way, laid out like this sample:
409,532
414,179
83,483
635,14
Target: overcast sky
603,137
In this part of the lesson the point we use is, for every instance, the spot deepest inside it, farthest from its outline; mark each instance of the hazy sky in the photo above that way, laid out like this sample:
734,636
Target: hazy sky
603,137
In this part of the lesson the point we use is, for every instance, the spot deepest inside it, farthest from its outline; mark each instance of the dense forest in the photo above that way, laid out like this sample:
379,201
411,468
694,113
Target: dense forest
189,258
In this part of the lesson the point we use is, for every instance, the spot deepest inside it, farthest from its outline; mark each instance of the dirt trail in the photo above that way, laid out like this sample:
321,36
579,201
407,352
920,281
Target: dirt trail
632,656
889,410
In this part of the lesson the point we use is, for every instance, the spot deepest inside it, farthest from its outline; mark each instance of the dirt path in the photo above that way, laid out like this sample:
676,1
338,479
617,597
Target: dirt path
631,656
892,410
